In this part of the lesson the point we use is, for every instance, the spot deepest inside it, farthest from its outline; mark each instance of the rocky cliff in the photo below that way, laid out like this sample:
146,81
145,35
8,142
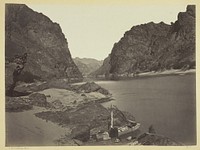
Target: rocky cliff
156,47
48,55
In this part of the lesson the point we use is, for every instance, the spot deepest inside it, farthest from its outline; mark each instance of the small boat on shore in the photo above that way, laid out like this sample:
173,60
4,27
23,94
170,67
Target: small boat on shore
127,129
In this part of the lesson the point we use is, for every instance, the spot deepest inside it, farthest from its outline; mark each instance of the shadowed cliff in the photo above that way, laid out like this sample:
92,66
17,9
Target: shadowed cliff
48,55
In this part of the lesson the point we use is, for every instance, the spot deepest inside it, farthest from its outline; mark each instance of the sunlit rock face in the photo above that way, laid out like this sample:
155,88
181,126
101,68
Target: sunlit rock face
156,46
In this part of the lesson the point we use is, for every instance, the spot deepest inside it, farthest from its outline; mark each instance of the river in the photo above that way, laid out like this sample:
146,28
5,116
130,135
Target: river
167,102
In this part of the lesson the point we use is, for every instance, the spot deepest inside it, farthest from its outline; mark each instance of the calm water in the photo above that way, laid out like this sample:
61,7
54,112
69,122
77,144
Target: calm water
168,103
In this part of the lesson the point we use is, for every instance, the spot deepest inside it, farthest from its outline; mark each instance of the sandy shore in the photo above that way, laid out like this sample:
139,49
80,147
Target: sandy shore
145,74
167,72
25,129
70,98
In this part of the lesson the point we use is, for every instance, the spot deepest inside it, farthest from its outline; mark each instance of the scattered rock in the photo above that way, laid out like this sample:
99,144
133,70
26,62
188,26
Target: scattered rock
154,139
57,104
81,132
117,140
91,87
129,138
38,99
151,129
83,94
17,104
66,141
78,142
106,136
74,102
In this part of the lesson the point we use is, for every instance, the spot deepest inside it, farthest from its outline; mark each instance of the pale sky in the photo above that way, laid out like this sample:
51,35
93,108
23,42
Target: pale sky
92,30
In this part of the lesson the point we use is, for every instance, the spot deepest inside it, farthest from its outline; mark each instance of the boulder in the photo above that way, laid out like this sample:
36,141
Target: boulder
91,87
38,99
129,138
57,104
81,132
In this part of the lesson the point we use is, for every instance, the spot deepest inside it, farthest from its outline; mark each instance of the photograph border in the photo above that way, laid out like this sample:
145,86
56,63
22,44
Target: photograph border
96,2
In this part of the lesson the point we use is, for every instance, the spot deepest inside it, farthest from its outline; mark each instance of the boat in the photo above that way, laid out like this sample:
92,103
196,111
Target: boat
127,129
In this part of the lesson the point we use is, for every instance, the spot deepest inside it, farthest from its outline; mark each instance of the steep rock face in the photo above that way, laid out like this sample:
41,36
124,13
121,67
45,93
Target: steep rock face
48,56
153,47
87,65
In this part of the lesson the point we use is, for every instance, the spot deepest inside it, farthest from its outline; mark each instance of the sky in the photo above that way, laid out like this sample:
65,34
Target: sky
92,30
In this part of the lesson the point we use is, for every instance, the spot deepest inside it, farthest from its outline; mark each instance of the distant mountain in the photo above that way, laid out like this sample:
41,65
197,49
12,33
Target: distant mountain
154,47
87,65
103,70
48,55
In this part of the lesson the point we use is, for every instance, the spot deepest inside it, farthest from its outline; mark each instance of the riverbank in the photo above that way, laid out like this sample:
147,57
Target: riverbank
141,75
77,127
25,128
72,116
167,72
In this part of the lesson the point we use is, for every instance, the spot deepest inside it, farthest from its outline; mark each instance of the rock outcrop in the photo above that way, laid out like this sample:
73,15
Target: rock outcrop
17,104
85,120
155,47
48,55
91,87
154,139
38,99
81,132
13,73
